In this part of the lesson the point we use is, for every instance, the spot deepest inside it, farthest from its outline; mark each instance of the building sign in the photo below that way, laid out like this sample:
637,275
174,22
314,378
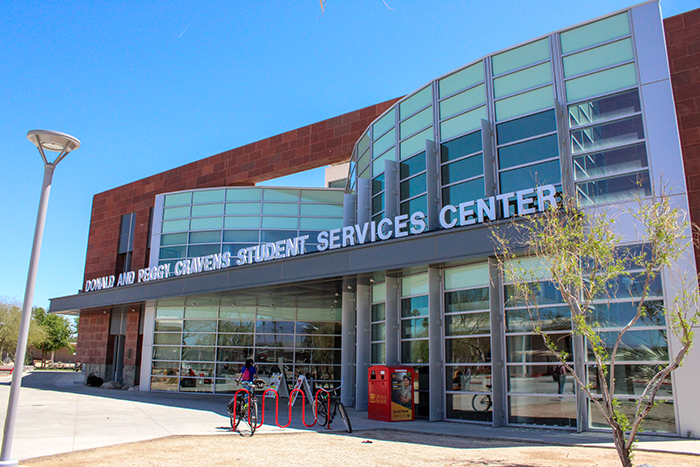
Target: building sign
492,208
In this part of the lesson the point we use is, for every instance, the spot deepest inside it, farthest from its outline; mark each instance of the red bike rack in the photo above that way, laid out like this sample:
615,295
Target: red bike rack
277,406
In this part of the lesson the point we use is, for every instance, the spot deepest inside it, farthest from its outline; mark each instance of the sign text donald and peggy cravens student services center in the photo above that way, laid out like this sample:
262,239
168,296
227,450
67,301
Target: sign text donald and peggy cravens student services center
523,202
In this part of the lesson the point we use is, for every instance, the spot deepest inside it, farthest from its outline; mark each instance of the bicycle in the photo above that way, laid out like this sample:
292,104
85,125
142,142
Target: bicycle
321,407
243,408
482,402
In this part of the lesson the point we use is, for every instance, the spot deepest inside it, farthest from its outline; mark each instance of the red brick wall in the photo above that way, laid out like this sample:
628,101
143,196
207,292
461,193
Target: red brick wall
305,148
93,331
683,42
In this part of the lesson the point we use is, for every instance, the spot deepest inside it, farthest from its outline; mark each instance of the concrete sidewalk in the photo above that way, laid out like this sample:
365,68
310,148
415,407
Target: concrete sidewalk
58,414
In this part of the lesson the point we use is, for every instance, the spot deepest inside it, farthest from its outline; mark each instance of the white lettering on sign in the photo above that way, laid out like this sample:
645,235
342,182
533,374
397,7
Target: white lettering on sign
505,205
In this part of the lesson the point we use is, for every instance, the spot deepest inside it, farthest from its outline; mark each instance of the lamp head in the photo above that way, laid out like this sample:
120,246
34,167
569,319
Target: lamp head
53,141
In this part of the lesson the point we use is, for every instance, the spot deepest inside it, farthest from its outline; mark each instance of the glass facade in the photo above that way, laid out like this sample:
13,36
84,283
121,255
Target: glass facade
508,102
200,343
206,222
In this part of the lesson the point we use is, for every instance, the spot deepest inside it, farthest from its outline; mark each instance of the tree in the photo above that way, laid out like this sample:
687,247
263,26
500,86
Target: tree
58,332
10,315
583,259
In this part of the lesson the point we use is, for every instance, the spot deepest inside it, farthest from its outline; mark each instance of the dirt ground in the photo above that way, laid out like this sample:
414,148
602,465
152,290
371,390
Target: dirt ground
384,448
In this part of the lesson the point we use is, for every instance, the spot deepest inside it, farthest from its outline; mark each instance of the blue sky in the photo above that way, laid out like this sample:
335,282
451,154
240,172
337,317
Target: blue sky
149,86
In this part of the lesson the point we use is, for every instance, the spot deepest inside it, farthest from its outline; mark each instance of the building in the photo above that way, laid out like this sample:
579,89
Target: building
190,271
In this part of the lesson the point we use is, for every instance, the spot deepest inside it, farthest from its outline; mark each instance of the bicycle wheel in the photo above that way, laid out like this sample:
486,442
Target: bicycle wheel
253,417
321,411
481,402
246,422
344,416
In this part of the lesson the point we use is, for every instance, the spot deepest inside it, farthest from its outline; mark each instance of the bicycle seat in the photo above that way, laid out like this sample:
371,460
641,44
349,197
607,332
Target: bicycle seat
259,383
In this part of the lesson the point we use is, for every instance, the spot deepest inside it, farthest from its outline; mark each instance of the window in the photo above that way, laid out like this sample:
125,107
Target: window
126,242
468,343
607,140
528,152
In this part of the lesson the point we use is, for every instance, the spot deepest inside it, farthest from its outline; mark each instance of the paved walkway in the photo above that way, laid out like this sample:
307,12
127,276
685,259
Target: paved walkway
58,414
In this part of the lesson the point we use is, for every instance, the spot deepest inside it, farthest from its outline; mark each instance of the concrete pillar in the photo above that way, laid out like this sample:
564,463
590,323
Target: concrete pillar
149,322
393,321
347,349
498,354
436,365
364,308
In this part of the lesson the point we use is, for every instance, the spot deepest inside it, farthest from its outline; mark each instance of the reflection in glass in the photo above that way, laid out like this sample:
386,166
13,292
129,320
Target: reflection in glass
610,315
414,306
235,340
636,345
661,418
540,379
414,351
619,132
528,151
412,166
232,355
630,380
414,328
201,354
462,169
169,383
465,191
378,185
468,323
166,353
378,312
274,340
467,300
546,318
198,339
613,189
235,326
165,368
527,127
468,350
542,410
412,187
378,331
604,108
378,351
199,326
461,407
632,286
468,378
170,338
286,327
541,293
532,175
531,348
626,159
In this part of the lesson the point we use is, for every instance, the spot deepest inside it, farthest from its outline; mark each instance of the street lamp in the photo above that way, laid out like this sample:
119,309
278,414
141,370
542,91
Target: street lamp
63,144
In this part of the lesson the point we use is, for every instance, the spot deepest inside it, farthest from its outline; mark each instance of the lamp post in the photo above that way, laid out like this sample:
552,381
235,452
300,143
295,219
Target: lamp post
62,144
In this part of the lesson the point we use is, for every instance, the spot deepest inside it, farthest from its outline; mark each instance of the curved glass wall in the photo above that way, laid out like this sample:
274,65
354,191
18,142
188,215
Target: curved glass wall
496,130
205,222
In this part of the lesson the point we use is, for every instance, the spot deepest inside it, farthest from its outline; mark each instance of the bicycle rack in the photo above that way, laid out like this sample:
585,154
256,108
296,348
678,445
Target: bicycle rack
277,403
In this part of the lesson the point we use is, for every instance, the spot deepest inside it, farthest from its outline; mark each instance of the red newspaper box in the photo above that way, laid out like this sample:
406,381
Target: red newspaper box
390,393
